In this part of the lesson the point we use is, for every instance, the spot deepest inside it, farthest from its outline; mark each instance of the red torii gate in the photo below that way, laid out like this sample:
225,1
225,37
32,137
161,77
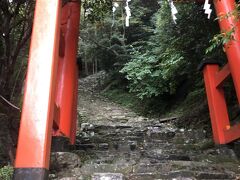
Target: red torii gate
50,98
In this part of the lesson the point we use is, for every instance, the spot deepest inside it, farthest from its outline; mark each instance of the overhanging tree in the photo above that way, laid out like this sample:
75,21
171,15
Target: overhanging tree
15,30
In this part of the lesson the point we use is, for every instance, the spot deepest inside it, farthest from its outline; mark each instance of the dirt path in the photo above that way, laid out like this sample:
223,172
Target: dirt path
94,108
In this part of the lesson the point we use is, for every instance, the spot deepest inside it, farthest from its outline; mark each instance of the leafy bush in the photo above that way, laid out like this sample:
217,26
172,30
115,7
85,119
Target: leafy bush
6,173
171,55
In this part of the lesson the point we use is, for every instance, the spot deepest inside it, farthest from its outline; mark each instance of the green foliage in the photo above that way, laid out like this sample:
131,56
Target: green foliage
108,40
104,41
234,13
223,38
96,10
142,72
15,30
99,43
6,173
220,40
162,63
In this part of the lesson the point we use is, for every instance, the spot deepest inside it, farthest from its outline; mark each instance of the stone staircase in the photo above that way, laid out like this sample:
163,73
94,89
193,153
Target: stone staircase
145,150
114,143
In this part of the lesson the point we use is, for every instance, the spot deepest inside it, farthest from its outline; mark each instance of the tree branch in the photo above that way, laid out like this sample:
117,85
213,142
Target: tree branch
21,44
105,47
8,104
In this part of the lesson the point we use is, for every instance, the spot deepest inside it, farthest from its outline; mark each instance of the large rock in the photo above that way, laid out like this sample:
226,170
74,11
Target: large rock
64,160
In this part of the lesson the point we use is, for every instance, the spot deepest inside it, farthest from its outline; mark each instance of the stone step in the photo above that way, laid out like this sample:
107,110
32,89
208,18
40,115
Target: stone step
164,156
124,171
148,142
107,157
124,168
107,176
124,147
85,146
169,166
161,135
181,174
111,127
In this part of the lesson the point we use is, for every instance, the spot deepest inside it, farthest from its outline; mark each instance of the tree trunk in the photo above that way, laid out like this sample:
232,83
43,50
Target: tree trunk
93,67
86,67
96,66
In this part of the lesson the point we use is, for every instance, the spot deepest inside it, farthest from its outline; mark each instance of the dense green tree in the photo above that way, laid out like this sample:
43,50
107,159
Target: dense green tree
96,10
173,52
102,42
110,42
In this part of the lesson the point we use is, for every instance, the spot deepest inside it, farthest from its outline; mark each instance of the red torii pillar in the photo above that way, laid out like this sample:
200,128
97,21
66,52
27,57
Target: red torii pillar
51,75
214,77
66,100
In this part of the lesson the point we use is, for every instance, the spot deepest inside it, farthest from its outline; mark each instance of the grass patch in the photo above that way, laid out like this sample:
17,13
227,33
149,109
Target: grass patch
125,99
192,110
160,106
151,107
6,173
